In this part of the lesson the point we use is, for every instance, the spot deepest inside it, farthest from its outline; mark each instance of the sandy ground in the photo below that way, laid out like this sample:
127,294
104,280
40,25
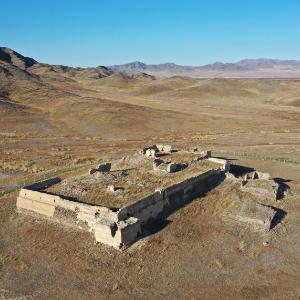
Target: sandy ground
195,253
182,257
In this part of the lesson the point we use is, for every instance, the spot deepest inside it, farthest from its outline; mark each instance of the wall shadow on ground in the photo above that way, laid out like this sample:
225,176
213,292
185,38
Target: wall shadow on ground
161,221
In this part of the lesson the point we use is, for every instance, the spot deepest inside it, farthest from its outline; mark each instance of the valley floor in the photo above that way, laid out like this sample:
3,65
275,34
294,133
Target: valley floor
192,254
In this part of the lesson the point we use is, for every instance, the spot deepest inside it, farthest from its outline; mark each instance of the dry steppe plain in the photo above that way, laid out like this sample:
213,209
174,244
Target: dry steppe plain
60,122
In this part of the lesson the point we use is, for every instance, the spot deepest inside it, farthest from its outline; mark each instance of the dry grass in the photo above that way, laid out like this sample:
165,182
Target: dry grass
59,126
133,181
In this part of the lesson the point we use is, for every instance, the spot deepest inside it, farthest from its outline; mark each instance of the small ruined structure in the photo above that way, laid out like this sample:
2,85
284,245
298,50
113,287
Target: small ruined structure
257,175
261,193
259,216
175,167
122,226
153,147
262,185
169,167
153,150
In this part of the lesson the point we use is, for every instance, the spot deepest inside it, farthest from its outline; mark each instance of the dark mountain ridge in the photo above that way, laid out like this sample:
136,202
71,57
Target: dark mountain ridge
9,56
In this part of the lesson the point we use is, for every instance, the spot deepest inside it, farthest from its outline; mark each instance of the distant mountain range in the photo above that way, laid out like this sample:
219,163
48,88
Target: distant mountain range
247,68
253,68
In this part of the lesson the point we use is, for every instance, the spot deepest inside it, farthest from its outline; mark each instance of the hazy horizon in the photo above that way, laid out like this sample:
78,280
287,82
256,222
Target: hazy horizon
166,62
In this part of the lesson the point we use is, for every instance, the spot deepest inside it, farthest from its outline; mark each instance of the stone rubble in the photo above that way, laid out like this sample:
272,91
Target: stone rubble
150,153
204,155
256,215
176,167
257,175
164,148
111,188
153,150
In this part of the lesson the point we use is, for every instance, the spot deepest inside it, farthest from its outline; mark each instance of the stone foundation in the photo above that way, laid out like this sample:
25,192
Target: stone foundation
122,227
256,215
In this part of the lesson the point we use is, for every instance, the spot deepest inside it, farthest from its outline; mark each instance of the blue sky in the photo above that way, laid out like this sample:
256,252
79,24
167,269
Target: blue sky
92,33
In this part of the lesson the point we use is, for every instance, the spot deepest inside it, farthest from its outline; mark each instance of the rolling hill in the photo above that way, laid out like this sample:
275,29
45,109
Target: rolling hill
42,99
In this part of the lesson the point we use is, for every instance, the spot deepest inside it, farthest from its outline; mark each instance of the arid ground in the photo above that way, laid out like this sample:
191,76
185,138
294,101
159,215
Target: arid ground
60,121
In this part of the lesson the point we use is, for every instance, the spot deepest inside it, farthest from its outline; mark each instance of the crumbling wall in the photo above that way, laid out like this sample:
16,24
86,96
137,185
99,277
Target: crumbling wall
102,221
144,209
38,202
166,200
224,162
